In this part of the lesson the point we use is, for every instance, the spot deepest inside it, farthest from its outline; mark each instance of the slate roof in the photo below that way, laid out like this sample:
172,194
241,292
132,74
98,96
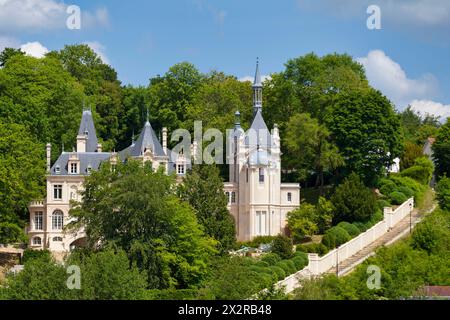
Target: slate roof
258,134
147,140
87,159
87,127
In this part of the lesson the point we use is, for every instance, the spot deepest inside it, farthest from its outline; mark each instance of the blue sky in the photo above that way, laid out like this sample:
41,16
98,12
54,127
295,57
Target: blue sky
408,59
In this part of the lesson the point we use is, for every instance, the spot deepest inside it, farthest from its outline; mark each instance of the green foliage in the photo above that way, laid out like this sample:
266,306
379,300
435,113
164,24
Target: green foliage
381,203
22,169
353,201
202,188
352,230
271,258
443,193
441,150
281,274
411,152
158,231
397,197
406,191
257,241
282,246
288,266
30,254
387,186
422,171
7,54
366,131
318,248
308,141
415,186
335,236
300,260
301,222
431,235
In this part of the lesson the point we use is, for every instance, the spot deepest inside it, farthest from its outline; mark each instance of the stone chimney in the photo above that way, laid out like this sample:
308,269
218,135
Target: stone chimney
49,156
164,140
81,143
99,148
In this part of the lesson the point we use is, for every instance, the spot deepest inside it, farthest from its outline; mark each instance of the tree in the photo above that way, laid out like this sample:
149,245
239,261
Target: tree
107,275
282,246
136,209
353,201
367,132
7,53
171,94
308,142
100,84
411,152
301,222
203,190
40,95
443,193
22,170
441,150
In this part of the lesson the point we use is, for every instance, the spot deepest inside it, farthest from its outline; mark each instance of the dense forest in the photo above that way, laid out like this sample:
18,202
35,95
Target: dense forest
338,137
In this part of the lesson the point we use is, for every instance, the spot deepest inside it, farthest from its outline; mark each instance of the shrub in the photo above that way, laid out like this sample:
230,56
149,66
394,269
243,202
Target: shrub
419,190
361,226
432,235
398,197
443,193
288,266
262,264
353,201
282,246
382,204
386,186
271,259
300,260
281,274
352,230
30,254
335,237
422,171
408,192
318,248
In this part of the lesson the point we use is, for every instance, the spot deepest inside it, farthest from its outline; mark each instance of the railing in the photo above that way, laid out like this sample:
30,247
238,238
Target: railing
37,203
319,265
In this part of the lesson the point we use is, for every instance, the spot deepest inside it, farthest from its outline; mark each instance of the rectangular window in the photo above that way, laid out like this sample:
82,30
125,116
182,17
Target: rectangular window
73,168
246,175
57,192
289,197
38,221
57,221
233,197
260,223
261,175
228,197
180,169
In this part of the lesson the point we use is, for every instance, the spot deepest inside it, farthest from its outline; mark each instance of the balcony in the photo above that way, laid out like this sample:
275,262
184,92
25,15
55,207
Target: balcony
37,204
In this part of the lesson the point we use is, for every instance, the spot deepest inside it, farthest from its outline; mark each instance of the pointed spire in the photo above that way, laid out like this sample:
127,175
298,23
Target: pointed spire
257,82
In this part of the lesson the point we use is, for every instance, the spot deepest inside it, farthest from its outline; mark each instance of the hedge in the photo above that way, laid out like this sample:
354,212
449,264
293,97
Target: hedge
352,230
398,197
335,236
318,248
271,259
281,274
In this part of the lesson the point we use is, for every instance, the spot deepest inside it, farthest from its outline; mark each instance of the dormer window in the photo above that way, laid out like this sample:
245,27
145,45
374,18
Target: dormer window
89,169
180,169
73,168
86,133
58,169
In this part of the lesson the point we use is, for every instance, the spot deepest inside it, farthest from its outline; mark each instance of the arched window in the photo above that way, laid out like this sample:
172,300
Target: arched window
57,239
57,220
37,241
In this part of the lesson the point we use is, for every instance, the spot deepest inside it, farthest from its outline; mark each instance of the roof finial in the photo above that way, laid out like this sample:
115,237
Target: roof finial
237,121
257,82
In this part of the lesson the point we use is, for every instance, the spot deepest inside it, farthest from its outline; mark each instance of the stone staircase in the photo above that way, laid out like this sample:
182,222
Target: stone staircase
400,230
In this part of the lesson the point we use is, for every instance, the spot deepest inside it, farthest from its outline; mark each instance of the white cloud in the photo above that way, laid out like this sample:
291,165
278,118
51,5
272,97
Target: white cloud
34,49
388,76
431,107
36,15
251,79
99,49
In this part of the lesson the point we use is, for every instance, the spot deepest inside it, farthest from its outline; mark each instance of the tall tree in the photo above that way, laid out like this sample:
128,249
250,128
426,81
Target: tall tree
441,150
136,209
308,142
22,170
7,53
203,189
367,132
